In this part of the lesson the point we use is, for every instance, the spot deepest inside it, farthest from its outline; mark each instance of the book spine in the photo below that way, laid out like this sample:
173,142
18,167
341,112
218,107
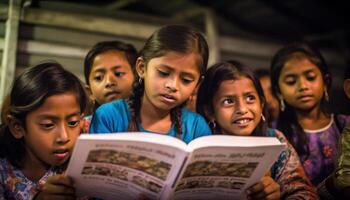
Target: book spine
179,172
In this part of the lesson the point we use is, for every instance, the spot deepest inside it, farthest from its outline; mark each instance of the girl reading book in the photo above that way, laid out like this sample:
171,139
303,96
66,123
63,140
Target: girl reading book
169,69
43,122
232,100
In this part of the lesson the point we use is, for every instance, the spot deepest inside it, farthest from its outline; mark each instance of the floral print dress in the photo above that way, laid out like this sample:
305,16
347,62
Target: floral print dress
323,149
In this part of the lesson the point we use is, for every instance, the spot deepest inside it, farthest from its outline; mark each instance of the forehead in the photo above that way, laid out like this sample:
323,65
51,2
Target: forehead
65,103
299,67
236,87
184,62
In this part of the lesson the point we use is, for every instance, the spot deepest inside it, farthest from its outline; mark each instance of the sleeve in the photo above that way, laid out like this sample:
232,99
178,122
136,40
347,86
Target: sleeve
290,175
338,183
201,127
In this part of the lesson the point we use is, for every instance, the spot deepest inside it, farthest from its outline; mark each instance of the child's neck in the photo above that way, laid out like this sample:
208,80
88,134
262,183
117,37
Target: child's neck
154,119
34,169
314,119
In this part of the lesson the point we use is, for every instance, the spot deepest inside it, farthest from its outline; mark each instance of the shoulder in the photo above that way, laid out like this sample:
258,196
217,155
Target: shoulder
191,116
343,119
113,109
276,133
193,124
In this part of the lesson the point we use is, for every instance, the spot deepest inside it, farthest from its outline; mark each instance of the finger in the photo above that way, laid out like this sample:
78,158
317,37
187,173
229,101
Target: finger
60,180
263,193
255,188
57,189
273,196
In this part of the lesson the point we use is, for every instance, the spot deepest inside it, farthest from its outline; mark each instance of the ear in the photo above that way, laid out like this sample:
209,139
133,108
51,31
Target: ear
15,127
209,114
89,92
346,86
140,67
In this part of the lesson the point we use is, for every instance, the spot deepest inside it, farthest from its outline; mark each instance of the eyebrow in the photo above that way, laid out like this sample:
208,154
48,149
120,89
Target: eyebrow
172,69
288,74
48,116
102,68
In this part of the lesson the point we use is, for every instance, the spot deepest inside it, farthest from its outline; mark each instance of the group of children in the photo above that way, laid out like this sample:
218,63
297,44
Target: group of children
48,109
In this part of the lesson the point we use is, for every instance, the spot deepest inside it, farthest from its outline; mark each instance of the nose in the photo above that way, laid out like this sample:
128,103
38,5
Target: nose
241,107
303,84
171,84
110,80
62,135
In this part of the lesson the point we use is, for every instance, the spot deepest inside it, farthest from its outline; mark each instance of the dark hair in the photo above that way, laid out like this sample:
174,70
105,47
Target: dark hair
260,73
30,90
287,121
101,47
218,73
347,72
177,38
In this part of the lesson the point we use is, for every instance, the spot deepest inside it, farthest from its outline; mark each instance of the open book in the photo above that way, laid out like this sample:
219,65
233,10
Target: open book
154,166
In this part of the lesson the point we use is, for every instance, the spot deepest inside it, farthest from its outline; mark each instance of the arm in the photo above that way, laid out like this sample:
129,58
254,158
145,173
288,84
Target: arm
338,183
290,175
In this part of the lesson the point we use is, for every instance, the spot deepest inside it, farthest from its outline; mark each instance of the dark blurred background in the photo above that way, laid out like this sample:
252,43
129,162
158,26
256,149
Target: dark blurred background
247,30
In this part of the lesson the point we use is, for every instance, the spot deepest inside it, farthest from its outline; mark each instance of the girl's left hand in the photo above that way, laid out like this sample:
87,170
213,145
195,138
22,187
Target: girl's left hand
267,188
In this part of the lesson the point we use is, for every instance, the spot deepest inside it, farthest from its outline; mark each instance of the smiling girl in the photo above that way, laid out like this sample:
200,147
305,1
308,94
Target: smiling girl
232,100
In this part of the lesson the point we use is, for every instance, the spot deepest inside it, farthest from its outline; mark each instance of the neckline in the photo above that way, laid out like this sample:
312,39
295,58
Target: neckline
321,129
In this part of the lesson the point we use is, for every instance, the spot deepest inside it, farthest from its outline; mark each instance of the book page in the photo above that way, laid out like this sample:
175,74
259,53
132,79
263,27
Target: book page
215,172
130,166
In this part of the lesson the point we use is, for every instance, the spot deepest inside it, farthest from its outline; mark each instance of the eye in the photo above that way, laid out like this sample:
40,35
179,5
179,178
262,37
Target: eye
98,78
228,101
290,81
73,123
187,80
119,74
250,98
163,73
311,76
47,126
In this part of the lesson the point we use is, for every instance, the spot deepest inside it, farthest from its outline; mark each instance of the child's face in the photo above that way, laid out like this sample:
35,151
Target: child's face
170,79
301,84
237,107
111,77
52,129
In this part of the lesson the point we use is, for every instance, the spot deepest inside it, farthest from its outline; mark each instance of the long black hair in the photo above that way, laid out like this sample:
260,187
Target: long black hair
176,38
30,90
287,121
218,73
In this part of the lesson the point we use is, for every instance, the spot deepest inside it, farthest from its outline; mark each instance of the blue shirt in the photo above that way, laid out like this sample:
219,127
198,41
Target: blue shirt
115,117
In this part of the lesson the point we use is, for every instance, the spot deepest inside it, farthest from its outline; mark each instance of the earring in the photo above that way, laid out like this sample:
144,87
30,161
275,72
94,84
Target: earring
282,106
212,124
140,80
263,117
326,96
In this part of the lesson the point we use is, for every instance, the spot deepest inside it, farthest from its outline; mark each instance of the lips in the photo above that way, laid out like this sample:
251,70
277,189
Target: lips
112,94
305,97
61,153
242,121
168,98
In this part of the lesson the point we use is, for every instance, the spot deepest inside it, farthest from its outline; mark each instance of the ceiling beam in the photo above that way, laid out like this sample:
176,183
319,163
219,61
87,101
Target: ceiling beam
88,23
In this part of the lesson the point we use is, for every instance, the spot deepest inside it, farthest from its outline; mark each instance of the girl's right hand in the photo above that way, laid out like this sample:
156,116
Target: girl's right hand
265,189
56,187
